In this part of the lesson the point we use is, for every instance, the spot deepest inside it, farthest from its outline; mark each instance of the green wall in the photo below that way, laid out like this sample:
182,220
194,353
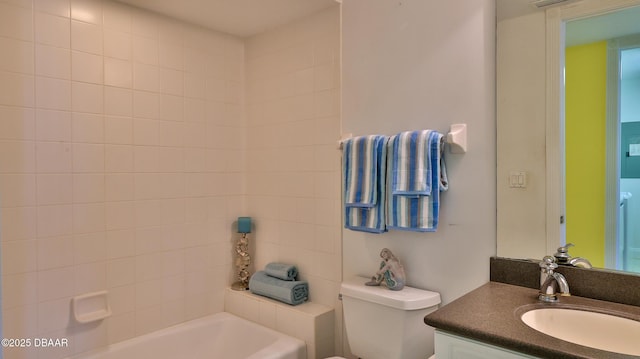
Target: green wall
585,101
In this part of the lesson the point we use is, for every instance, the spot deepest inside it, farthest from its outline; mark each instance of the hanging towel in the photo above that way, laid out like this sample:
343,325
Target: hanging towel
281,270
361,180
410,210
411,172
286,291
364,179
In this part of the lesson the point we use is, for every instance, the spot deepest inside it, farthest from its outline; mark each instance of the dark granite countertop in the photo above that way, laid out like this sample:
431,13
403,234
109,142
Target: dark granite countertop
491,314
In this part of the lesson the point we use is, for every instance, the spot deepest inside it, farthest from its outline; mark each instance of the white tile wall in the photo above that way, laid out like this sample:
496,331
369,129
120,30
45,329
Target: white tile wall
293,92
293,176
109,154
310,322
122,158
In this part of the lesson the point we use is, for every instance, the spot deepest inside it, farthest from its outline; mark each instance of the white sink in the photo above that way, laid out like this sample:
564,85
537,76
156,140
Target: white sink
595,330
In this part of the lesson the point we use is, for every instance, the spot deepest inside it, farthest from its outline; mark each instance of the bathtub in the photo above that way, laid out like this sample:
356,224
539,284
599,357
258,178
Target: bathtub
221,335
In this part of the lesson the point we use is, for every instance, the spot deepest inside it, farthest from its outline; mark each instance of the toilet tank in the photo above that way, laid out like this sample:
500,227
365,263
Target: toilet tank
385,324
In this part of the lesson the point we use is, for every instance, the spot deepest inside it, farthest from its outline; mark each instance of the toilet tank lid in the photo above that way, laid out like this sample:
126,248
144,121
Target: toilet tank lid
406,299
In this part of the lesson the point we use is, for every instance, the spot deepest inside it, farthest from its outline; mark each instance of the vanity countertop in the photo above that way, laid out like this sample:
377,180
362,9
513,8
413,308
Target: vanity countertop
491,314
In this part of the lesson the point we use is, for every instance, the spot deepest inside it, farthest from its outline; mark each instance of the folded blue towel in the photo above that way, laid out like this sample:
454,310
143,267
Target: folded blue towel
364,179
413,211
281,270
290,292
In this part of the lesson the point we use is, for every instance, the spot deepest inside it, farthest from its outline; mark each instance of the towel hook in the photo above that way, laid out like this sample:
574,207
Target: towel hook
457,138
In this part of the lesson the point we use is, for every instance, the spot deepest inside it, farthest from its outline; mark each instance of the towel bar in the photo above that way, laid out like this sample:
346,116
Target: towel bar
456,138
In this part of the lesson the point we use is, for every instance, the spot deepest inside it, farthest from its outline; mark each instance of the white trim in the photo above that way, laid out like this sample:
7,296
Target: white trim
555,130
612,160
612,198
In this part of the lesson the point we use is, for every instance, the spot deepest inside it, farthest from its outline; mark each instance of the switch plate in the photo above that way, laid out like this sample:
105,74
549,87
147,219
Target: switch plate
517,179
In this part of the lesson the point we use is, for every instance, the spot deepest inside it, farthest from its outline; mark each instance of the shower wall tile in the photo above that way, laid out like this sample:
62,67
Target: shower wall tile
52,30
118,73
86,67
117,172
117,44
130,172
17,124
18,190
118,101
51,94
293,164
24,257
86,37
17,89
55,220
54,189
87,10
117,16
20,223
19,56
146,77
48,323
53,61
54,7
53,125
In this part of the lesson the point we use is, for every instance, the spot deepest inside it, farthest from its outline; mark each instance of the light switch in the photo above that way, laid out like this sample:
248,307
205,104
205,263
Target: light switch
517,179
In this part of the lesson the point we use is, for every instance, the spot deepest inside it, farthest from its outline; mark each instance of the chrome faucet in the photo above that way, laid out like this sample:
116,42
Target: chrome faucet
563,258
551,282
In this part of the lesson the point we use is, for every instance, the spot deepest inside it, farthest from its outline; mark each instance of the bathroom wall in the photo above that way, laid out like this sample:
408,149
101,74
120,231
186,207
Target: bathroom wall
121,168
293,162
521,134
410,65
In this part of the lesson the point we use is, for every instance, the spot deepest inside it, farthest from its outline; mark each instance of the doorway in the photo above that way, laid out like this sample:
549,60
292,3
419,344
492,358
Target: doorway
602,147
628,236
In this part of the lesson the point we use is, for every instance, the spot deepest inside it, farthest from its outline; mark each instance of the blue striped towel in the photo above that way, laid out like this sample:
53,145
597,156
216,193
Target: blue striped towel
364,177
412,209
411,172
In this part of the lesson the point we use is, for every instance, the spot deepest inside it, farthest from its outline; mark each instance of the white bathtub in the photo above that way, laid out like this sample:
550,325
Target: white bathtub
221,335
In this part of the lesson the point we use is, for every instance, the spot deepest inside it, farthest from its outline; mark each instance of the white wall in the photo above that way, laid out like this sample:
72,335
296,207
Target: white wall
410,65
521,135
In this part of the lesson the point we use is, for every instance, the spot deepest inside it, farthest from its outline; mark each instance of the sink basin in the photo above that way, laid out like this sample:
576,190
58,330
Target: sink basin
591,329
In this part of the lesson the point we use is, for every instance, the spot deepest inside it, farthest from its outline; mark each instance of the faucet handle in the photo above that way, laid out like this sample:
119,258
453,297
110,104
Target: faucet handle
548,263
562,254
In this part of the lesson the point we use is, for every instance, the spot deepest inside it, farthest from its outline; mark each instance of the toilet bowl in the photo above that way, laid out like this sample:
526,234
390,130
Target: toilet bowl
385,324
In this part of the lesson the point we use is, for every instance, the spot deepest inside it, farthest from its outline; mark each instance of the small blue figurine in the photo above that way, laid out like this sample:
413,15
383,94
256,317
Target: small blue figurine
391,271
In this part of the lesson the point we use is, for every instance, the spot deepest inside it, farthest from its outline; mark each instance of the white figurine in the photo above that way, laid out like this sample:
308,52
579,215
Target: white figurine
391,271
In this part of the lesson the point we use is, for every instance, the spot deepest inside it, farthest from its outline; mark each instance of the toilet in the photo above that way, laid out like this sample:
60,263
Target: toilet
385,324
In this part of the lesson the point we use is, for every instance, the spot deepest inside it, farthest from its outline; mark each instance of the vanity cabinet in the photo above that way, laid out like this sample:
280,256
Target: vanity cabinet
449,346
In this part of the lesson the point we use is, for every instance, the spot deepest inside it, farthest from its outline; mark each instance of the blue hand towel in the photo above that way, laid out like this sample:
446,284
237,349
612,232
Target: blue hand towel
361,179
410,170
413,211
290,292
281,270
364,179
